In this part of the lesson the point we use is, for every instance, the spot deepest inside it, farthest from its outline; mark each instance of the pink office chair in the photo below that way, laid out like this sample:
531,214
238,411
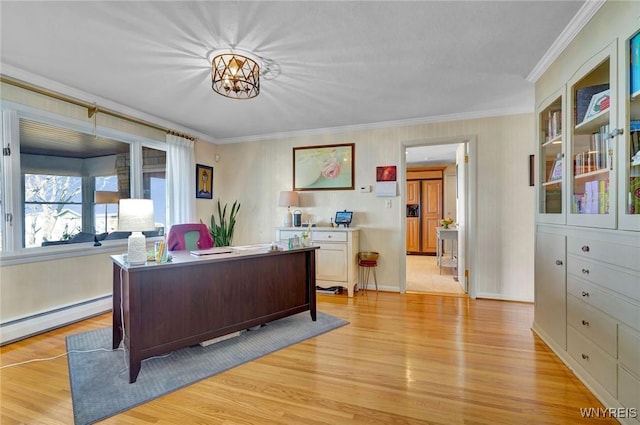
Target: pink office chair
189,236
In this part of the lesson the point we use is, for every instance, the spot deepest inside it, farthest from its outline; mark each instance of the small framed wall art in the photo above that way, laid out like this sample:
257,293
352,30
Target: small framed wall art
327,167
204,181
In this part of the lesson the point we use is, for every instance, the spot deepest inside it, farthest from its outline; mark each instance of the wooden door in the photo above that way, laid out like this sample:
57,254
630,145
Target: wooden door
413,192
431,214
413,234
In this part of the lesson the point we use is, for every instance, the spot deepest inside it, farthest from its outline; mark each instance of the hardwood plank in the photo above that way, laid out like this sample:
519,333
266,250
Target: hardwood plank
410,359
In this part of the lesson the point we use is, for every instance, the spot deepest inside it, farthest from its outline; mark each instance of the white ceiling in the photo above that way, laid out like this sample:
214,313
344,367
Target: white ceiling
341,64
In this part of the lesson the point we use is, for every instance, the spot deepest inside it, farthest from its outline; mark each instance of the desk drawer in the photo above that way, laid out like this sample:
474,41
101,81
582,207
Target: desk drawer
629,349
329,237
612,305
593,324
596,362
608,252
608,277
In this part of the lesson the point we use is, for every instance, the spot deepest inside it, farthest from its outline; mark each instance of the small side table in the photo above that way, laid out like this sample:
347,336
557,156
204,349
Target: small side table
452,235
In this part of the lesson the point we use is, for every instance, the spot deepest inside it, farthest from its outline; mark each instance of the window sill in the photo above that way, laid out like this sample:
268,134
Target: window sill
61,252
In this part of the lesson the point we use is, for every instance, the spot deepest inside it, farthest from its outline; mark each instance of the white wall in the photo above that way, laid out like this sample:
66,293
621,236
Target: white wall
255,172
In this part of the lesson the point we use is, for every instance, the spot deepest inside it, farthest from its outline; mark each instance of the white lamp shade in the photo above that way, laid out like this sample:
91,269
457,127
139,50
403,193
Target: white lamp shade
135,215
288,199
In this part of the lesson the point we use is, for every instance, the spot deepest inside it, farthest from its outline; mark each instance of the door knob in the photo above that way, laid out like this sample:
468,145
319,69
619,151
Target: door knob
558,262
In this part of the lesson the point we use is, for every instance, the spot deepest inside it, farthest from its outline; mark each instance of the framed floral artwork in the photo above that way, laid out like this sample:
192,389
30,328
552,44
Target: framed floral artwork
327,167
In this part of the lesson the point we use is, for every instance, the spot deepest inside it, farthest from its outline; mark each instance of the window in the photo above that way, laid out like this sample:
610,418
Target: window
71,181
52,208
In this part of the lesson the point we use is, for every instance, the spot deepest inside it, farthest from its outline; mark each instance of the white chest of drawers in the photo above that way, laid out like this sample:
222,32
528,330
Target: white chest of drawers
336,260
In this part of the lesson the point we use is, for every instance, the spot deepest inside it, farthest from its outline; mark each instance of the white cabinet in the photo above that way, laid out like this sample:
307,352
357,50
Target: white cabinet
588,311
588,207
336,260
551,288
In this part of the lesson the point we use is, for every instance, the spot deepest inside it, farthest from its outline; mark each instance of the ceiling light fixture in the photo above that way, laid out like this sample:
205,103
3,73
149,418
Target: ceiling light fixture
235,73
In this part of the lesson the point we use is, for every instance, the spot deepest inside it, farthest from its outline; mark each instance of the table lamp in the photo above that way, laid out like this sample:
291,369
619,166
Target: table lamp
136,216
106,197
288,199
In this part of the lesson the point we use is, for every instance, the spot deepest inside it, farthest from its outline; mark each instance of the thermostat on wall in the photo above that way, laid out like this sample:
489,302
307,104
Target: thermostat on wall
365,189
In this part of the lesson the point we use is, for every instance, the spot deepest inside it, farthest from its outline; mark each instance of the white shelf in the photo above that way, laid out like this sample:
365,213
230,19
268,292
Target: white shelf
555,141
552,182
593,124
592,173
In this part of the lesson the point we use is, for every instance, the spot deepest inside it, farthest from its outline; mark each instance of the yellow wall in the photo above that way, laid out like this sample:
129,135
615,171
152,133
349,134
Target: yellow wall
254,173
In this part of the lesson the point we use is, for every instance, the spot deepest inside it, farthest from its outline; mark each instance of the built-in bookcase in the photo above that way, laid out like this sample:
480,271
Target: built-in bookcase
592,140
551,159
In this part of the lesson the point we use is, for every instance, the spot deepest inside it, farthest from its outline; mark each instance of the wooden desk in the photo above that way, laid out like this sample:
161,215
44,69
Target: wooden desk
447,234
193,299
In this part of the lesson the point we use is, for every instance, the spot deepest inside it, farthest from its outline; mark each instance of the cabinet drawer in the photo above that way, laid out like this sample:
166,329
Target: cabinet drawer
629,391
629,348
614,306
593,324
596,362
286,234
614,253
329,236
608,277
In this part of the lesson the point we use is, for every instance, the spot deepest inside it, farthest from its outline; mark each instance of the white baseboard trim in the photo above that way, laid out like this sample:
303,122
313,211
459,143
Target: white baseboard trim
38,323
502,297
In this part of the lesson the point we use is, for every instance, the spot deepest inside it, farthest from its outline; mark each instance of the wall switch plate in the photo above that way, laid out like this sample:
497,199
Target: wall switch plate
365,189
387,203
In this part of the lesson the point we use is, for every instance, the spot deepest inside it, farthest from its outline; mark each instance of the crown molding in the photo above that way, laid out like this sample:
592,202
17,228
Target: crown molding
82,96
379,125
584,15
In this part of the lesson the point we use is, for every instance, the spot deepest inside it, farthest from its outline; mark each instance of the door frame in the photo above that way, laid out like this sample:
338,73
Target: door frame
470,242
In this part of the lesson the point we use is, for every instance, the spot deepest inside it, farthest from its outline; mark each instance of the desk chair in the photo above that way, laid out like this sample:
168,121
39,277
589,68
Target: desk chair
189,236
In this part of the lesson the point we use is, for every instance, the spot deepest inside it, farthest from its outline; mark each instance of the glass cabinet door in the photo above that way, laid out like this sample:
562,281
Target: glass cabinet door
551,160
629,164
592,179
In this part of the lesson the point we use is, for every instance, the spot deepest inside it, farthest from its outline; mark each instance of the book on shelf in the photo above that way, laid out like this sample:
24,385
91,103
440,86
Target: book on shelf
634,74
554,124
599,102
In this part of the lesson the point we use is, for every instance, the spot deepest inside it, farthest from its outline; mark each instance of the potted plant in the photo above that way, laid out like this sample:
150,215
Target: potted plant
222,229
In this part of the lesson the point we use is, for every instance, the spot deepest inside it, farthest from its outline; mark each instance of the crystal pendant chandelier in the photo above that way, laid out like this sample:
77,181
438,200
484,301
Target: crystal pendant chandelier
235,74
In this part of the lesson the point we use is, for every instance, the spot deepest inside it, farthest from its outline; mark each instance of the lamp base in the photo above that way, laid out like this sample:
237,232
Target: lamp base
137,248
286,220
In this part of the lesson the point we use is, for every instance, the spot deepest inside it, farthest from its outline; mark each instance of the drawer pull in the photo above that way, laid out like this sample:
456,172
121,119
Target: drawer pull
585,248
558,262
585,294
584,356
585,323
585,271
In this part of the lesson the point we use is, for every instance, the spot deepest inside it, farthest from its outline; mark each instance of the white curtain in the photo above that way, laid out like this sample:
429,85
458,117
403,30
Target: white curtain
181,181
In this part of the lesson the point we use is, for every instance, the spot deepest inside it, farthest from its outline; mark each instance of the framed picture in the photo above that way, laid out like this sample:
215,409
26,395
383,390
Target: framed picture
327,167
386,173
204,182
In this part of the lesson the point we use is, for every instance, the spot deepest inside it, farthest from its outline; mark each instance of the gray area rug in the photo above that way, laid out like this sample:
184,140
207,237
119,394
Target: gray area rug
100,379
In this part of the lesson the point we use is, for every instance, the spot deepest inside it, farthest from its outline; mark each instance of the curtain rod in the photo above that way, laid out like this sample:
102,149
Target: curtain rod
92,109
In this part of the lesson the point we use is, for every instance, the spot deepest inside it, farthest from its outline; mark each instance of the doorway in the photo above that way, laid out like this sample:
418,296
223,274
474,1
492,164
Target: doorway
423,273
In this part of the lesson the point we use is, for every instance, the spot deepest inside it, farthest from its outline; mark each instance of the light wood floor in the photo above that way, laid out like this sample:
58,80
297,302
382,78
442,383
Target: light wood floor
403,359
423,275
